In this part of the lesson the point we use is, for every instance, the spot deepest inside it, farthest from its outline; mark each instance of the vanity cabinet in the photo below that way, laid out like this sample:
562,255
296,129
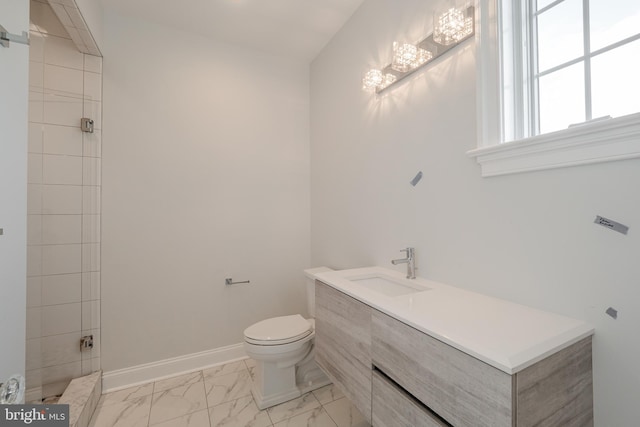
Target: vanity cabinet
392,406
556,391
398,376
343,344
460,388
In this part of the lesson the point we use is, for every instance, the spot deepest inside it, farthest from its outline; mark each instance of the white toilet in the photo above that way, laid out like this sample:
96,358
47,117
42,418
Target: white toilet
283,348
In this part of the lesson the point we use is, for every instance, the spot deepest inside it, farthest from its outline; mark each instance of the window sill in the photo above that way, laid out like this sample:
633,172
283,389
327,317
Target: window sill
614,139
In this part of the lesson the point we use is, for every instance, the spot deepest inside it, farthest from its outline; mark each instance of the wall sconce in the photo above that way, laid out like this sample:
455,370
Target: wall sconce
450,28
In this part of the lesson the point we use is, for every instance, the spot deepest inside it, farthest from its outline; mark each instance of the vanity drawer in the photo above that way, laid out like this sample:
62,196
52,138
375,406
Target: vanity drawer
459,388
393,407
343,344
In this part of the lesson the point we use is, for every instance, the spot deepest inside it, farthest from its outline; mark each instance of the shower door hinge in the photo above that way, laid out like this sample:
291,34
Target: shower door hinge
86,343
86,125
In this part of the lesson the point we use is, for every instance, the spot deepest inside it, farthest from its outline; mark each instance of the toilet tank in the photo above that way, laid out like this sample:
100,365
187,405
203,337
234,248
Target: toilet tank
310,278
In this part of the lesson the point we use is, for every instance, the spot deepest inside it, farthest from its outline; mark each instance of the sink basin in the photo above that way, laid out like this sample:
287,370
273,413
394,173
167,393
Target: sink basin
388,286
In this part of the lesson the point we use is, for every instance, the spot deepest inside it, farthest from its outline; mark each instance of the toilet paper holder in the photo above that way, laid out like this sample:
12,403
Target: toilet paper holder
229,281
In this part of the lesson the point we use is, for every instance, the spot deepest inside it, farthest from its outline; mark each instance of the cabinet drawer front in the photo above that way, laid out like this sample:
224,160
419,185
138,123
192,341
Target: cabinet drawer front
461,389
343,344
393,407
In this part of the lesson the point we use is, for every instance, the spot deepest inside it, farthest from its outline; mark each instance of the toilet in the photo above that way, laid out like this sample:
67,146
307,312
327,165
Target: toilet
283,348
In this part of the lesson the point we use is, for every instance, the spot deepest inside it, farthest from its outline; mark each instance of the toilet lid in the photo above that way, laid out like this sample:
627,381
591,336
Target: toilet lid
278,330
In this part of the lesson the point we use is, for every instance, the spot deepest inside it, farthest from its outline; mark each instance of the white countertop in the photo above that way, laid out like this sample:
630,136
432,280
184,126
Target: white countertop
506,335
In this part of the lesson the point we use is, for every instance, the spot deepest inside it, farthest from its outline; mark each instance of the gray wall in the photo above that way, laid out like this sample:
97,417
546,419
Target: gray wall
205,176
528,238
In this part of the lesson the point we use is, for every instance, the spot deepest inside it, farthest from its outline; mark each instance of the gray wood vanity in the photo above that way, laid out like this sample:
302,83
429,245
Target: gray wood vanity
397,375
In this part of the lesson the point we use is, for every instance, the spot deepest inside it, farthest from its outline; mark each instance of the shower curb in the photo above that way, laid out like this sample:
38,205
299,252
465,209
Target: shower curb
82,396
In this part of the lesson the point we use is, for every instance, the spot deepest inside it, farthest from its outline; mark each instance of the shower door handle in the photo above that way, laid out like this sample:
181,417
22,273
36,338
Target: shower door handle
6,37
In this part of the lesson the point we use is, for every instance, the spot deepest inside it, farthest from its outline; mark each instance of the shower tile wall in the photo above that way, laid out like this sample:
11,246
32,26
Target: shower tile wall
63,260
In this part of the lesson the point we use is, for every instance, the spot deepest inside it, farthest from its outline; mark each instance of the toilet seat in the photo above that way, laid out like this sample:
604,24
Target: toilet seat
278,330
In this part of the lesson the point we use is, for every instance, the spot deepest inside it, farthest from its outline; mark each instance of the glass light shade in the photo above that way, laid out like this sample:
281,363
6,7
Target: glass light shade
423,57
451,26
372,80
406,57
388,79
375,80
404,54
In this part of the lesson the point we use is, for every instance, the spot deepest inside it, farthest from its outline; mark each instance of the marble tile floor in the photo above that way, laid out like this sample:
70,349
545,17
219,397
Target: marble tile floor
220,397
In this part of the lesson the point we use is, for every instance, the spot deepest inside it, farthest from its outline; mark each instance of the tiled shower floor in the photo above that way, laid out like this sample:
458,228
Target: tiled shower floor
220,397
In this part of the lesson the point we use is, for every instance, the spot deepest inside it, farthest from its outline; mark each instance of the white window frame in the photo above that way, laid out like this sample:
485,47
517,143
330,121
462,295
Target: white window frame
591,142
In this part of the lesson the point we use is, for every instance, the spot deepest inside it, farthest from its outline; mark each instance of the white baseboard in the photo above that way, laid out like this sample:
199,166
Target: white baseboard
135,375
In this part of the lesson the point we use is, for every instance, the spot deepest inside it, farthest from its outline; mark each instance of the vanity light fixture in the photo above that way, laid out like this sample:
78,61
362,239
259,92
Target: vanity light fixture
451,27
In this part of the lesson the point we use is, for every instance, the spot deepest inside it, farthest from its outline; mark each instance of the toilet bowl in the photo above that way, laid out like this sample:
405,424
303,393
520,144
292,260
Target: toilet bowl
283,348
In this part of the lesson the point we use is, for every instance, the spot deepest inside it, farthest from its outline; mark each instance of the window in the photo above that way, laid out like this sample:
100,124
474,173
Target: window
558,83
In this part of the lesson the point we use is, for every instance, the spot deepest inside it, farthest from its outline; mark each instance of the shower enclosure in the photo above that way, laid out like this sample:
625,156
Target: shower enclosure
63,206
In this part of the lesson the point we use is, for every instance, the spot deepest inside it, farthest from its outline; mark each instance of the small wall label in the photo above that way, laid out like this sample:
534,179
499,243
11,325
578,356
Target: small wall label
611,224
416,179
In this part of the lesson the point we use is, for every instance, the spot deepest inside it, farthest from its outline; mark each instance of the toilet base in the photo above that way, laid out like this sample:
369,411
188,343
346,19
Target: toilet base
292,382
310,377
264,402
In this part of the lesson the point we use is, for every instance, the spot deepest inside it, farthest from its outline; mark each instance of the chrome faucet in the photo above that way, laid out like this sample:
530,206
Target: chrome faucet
409,260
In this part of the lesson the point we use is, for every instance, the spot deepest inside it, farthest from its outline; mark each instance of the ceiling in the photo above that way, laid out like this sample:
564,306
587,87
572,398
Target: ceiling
293,28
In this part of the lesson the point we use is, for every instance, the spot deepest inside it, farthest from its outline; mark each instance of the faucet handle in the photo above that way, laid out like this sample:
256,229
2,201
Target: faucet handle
409,251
